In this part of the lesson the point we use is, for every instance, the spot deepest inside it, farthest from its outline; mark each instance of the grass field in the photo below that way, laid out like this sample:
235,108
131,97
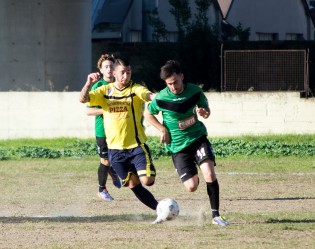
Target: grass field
52,203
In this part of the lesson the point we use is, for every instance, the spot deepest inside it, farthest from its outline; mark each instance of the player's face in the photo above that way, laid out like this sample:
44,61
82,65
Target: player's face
107,69
175,83
122,76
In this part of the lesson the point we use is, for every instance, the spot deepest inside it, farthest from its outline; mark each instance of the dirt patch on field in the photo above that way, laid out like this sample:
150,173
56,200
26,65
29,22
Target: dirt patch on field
61,210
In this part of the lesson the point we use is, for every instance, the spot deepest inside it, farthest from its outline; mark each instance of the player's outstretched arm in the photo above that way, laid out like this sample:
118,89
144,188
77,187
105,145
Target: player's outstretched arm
165,136
91,79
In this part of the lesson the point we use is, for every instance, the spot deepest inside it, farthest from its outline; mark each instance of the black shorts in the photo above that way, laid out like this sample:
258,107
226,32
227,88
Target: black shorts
102,149
132,161
186,160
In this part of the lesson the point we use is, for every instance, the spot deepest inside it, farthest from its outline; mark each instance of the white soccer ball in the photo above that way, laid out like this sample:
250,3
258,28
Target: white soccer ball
167,209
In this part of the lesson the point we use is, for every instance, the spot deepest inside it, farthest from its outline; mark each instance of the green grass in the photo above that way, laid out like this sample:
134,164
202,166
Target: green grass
52,203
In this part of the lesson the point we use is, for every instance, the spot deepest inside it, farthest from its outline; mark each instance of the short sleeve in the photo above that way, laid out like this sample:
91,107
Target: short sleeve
153,107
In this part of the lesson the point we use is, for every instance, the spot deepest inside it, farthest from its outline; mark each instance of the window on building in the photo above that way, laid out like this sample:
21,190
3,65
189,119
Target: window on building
172,36
135,36
294,37
267,36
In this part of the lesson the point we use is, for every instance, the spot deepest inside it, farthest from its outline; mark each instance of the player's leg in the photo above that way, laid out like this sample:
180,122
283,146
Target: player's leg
145,175
103,169
205,158
121,162
143,194
143,163
186,169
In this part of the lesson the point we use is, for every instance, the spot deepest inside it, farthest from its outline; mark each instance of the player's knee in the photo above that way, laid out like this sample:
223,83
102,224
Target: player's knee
147,181
192,184
105,162
191,188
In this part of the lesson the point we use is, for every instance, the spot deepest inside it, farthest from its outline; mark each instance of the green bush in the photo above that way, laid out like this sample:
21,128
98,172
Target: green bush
37,152
223,147
5,154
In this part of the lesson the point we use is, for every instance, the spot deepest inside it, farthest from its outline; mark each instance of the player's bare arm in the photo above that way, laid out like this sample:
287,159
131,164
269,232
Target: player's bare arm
203,112
92,111
165,136
150,96
91,79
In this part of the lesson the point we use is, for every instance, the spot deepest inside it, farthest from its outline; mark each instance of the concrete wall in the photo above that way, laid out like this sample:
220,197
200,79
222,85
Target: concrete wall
44,45
60,114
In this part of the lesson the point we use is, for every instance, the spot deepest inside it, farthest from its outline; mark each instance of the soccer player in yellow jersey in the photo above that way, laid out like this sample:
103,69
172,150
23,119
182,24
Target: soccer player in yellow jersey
122,103
105,65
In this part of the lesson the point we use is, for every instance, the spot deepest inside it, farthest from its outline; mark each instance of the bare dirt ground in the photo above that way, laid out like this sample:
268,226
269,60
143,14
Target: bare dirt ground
61,210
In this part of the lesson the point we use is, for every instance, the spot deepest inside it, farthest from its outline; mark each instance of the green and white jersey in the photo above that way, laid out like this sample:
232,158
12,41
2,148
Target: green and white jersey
99,121
179,116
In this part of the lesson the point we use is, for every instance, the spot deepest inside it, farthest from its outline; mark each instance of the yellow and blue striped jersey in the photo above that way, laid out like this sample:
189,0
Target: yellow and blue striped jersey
123,114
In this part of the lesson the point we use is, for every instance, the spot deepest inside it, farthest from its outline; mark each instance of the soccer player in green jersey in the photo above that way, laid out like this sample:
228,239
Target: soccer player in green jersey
105,65
184,135
122,103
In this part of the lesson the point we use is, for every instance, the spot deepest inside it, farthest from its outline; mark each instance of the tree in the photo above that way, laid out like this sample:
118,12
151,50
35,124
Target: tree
159,29
182,14
202,8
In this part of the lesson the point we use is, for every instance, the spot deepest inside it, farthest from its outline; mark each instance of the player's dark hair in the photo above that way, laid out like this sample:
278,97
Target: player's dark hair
121,62
104,57
169,69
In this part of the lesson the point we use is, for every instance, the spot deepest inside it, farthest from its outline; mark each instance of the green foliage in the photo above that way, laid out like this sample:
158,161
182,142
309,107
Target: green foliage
159,28
243,34
265,146
37,152
182,14
80,149
270,148
4,154
157,149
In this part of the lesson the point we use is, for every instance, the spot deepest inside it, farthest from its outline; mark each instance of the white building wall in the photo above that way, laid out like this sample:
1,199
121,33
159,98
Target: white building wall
60,114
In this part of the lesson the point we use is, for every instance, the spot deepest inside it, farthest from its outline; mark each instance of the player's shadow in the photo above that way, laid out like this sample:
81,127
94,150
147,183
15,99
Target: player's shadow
290,221
79,219
276,199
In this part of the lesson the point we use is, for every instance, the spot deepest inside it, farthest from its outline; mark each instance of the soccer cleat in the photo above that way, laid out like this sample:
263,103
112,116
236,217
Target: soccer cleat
220,221
115,178
105,195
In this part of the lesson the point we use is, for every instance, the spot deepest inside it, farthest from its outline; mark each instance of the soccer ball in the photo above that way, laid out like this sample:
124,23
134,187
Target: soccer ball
167,209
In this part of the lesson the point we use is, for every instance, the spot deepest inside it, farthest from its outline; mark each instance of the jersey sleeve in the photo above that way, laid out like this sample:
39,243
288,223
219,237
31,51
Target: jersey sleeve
142,92
203,101
95,86
96,96
153,107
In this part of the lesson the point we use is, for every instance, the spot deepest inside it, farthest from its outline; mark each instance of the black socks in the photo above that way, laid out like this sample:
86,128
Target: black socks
102,173
213,192
145,196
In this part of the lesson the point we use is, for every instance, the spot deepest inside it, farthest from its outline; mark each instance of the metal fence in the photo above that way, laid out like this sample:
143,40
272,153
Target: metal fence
265,70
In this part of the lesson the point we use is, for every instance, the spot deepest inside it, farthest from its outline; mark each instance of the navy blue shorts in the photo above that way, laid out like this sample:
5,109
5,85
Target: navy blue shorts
132,161
186,160
102,149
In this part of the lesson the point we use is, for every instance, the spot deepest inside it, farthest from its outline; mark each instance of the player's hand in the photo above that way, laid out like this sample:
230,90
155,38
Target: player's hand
92,78
203,112
165,137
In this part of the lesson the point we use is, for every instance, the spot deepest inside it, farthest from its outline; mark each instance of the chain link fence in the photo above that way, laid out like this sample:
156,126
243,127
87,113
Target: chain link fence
265,70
